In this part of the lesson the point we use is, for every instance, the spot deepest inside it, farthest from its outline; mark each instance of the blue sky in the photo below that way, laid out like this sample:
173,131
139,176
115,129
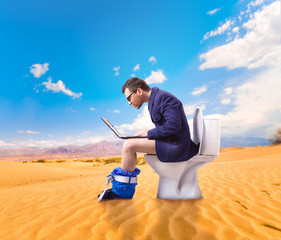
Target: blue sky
63,64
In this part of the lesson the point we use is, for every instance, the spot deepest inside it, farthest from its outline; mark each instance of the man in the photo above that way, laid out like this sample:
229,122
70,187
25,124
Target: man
170,139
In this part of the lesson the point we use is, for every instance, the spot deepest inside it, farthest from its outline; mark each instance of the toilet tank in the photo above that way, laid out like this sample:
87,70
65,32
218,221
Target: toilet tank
211,137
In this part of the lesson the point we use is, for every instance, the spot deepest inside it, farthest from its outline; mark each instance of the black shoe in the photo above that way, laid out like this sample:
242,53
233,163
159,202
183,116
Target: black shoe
109,195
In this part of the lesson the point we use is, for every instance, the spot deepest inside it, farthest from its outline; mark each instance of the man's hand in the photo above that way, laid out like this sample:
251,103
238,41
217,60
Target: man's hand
142,133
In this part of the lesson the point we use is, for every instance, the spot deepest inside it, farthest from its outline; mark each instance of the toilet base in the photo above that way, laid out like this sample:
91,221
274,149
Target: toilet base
179,181
168,189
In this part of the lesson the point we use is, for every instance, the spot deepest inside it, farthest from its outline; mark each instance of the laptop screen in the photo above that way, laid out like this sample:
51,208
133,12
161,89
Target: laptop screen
111,126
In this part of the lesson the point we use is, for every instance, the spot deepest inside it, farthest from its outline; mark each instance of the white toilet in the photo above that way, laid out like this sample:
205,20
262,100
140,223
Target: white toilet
179,180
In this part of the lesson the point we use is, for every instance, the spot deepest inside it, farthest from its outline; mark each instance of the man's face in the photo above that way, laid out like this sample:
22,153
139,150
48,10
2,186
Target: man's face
134,98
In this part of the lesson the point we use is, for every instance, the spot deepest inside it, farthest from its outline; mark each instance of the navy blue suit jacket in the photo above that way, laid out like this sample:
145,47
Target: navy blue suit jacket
171,132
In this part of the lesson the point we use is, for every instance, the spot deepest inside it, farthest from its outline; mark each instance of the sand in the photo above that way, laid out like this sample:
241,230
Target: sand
241,200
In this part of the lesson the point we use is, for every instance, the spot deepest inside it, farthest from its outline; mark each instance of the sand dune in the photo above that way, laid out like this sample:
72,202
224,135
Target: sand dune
241,189
16,173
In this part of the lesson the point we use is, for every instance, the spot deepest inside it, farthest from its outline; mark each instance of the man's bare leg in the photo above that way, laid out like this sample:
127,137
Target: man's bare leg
129,154
130,149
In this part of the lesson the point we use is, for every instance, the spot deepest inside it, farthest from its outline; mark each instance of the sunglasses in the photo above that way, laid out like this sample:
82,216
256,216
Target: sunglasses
129,97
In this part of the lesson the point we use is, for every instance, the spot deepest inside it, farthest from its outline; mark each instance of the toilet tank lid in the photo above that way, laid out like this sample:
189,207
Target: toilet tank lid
211,118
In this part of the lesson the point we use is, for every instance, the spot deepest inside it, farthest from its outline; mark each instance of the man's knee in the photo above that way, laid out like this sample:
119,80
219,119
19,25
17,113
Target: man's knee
128,145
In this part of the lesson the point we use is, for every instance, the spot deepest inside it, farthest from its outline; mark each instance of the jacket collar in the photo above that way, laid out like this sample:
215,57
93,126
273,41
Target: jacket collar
154,90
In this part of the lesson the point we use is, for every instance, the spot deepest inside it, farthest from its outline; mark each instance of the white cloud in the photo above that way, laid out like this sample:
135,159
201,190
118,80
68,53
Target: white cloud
142,122
235,29
60,87
257,108
212,12
92,109
256,3
220,30
116,111
259,47
228,90
189,109
91,140
136,68
39,69
116,70
56,143
226,101
153,60
198,91
156,77
4,144
28,132
86,133
38,143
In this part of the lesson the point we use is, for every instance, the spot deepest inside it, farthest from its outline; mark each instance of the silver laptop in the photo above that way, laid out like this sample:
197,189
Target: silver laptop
116,132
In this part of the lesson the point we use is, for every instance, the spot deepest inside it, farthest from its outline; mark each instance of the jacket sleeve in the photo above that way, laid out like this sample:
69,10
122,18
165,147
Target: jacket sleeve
169,109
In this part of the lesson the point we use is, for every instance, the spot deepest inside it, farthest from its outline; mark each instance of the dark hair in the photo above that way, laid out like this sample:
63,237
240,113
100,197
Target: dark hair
134,83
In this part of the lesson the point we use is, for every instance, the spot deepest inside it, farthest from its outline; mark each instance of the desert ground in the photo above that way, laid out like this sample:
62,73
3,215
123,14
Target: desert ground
58,200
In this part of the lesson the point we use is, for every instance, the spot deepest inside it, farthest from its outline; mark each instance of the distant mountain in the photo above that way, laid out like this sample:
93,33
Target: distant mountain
103,148
21,151
243,142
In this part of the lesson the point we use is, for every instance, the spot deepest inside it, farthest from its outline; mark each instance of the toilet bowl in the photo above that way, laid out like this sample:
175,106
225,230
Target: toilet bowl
179,180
